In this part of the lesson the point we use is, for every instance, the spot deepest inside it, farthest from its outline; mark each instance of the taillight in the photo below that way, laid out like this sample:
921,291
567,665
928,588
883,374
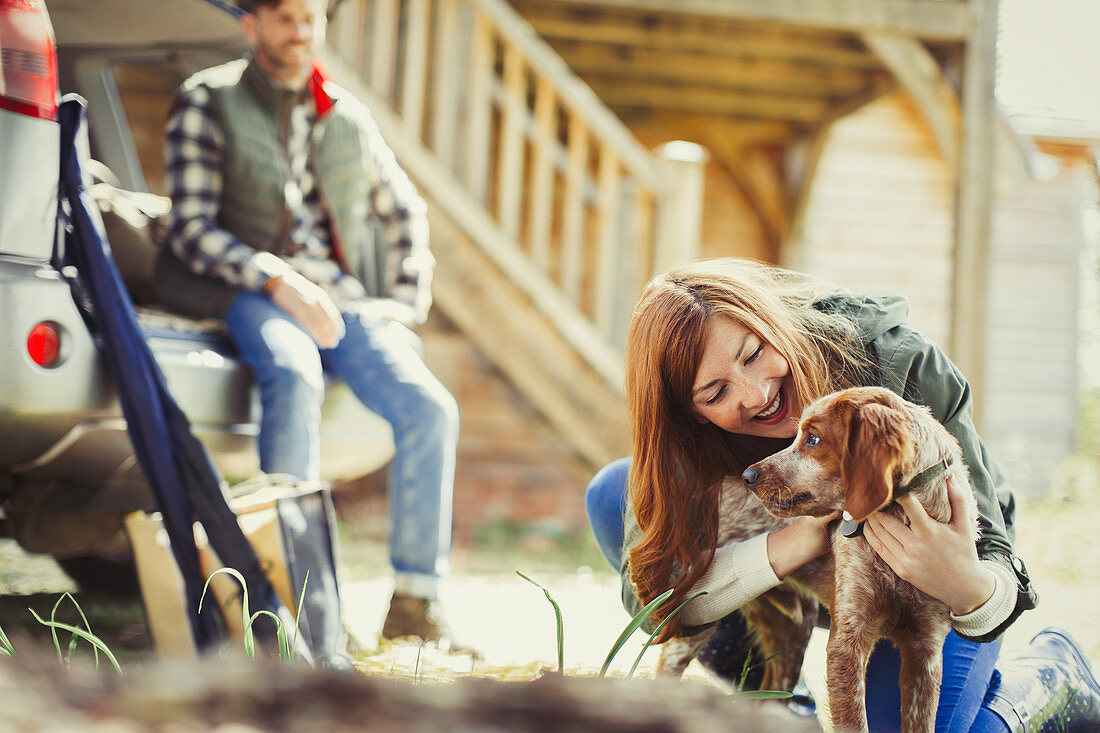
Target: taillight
28,59
44,344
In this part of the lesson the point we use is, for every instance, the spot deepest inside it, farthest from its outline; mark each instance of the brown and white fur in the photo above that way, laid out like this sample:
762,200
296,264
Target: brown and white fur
852,449
780,620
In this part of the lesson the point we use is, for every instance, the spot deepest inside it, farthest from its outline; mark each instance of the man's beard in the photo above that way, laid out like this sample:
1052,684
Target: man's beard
284,65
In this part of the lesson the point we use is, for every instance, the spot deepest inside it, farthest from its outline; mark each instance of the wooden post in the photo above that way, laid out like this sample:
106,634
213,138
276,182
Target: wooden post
542,171
510,161
608,273
479,108
680,210
444,100
974,203
572,232
383,47
414,73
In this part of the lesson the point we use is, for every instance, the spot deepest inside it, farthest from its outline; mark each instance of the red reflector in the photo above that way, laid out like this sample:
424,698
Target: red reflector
44,344
28,59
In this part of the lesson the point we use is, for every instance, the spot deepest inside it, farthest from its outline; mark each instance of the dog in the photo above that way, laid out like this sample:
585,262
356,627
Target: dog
780,621
857,450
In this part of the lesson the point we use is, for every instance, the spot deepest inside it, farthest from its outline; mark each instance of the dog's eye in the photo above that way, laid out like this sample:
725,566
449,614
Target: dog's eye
812,440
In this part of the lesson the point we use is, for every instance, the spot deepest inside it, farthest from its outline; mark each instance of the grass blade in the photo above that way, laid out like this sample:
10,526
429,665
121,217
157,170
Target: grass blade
657,630
248,639
298,615
6,649
635,623
763,695
280,633
742,694
557,615
89,637
73,638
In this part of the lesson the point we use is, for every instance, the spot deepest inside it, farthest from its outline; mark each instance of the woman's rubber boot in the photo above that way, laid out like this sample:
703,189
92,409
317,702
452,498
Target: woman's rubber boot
1049,686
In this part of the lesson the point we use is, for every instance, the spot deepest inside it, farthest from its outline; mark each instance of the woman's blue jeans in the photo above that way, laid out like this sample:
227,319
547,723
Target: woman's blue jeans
378,361
967,666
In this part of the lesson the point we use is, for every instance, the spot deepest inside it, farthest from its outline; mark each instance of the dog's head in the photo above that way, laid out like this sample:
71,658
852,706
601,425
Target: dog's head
850,448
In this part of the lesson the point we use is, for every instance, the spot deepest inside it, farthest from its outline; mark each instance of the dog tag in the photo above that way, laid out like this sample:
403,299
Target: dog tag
849,527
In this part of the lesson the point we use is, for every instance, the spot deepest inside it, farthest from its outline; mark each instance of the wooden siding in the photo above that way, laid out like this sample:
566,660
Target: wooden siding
1032,372
879,218
879,215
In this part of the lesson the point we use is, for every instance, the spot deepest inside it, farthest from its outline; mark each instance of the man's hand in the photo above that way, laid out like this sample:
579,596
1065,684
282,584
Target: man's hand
939,559
310,306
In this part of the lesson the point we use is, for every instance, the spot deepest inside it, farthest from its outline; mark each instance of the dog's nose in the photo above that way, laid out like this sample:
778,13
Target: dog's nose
750,476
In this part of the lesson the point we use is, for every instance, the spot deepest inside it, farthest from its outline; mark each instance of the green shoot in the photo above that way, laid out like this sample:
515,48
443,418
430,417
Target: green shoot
6,649
92,639
635,623
73,639
657,631
286,651
246,621
298,615
746,667
557,614
742,694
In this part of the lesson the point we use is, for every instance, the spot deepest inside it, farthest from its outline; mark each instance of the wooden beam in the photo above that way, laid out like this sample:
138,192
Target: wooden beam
921,76
741,72
658,123
709,100
694,34
974,203
946,20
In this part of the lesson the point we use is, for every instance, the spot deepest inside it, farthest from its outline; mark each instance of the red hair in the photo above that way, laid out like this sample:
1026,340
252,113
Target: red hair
678,464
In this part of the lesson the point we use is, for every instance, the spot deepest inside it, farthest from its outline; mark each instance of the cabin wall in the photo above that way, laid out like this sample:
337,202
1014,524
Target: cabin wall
880,218
1032,373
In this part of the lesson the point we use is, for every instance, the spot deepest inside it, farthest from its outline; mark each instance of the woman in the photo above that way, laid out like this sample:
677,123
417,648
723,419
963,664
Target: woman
722,357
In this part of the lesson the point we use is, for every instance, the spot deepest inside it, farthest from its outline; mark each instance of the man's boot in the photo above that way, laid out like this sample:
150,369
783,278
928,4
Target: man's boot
412,616
1047,687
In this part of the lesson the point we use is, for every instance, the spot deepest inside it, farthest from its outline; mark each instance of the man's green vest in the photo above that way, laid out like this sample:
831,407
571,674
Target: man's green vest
254,115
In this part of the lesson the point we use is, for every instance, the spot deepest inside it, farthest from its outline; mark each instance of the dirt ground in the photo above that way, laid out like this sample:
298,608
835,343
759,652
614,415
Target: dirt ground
511,622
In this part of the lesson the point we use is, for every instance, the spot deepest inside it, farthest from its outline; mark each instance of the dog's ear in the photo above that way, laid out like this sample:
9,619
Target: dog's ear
877,436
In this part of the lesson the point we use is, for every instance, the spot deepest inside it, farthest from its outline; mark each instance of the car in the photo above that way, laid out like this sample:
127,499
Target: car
68,474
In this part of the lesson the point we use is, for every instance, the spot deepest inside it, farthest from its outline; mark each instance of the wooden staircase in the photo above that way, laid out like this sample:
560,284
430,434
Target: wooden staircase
547,215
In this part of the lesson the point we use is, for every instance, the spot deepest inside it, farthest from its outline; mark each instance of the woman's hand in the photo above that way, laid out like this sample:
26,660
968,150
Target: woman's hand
793,546
939,559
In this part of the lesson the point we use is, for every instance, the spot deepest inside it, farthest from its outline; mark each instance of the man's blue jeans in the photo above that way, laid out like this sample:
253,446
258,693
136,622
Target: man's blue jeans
378,361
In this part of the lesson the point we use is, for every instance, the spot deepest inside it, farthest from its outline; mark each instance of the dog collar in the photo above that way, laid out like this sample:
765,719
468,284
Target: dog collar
851,528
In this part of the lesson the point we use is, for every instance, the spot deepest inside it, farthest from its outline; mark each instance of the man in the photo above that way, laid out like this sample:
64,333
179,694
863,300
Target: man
275,176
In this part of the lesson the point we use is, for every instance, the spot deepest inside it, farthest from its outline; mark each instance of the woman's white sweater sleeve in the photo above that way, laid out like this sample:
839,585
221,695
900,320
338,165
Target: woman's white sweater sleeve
739,573
988,616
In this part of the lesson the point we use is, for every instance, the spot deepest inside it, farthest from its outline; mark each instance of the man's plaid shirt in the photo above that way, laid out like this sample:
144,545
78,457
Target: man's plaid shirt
194,146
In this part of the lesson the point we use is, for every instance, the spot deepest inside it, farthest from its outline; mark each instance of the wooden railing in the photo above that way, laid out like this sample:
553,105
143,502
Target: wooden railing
523,158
